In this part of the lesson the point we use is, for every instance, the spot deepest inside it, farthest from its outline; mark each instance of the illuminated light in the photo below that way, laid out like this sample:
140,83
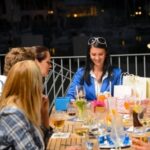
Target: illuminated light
75,15
52,50
123,43
136,13
149,13
102,10
140,13
138,38
148,45
132,15
50,11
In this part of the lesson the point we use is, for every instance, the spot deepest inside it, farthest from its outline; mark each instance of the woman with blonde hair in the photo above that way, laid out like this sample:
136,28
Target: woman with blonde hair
20,106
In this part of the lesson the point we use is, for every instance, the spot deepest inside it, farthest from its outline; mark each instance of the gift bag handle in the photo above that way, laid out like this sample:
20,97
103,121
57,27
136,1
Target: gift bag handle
125,74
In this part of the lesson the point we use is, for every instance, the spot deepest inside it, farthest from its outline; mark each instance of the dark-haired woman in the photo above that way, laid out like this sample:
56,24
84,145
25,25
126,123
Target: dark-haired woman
43,59
98,75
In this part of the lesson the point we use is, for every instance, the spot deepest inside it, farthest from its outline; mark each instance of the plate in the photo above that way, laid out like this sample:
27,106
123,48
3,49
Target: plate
105,141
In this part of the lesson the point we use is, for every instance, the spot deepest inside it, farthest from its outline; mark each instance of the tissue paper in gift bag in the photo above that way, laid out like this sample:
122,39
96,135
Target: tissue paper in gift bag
138,85
98,106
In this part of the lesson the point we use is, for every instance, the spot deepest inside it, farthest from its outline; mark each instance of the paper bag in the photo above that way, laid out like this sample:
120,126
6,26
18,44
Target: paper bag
122,91
138,85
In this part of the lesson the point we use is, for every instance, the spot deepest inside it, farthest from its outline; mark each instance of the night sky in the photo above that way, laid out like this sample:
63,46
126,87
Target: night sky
61,25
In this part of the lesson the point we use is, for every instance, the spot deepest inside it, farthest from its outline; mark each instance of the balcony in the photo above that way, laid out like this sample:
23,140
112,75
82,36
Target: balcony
58,80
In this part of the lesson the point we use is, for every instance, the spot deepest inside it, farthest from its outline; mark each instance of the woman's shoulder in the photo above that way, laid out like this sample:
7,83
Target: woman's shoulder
80,70
117,71
15,114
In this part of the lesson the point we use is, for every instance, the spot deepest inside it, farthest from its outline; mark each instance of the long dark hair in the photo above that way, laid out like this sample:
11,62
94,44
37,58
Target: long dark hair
89,64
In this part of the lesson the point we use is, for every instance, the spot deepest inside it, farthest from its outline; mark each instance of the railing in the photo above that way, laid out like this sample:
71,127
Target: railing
63,70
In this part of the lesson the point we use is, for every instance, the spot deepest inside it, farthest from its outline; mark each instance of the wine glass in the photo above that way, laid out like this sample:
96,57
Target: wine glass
57,120
141,120
80,92
90,122
144,117
71,110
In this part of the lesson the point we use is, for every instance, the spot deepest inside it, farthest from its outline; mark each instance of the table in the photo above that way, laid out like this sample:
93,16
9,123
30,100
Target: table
61,144
74,139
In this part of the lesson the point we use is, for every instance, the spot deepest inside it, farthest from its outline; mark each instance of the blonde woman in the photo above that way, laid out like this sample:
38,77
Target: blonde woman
20,107
28,53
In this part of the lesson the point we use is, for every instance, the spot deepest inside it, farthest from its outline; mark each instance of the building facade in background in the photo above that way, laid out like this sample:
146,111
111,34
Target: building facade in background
65,25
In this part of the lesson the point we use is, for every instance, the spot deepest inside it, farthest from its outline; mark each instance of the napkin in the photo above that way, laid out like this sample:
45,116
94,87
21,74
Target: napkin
60,135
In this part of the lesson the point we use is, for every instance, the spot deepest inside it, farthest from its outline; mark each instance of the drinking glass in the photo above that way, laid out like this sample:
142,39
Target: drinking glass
141,121
71,110
80,92
91,123
117,132
81,107
144,117
57,119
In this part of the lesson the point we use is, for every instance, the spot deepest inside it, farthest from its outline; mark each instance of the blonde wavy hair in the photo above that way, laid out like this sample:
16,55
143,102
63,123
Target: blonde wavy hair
23,89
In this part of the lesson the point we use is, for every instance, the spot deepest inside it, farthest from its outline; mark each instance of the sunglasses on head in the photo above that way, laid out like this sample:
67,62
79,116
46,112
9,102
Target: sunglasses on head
99,40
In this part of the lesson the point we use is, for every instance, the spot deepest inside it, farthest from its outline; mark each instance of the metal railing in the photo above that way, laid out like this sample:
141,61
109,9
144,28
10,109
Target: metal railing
64,68
58,80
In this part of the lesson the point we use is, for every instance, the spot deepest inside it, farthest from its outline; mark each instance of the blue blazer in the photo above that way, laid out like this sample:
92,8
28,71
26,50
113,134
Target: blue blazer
90,89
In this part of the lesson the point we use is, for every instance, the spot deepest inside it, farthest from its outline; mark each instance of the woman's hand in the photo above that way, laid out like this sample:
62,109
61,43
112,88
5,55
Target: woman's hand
139,144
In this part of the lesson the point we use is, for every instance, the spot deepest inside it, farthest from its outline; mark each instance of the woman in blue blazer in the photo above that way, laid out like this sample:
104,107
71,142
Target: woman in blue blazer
98,75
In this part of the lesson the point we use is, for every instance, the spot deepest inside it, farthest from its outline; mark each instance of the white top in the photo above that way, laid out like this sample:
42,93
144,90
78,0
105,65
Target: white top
2,82
98,85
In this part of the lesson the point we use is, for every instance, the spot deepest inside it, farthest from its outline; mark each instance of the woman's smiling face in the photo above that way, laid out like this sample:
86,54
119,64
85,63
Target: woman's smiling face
98,56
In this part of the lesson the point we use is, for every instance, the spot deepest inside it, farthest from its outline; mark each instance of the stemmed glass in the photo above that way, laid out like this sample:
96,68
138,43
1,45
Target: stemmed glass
80,100
144,117
141,120
80,92
91,123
